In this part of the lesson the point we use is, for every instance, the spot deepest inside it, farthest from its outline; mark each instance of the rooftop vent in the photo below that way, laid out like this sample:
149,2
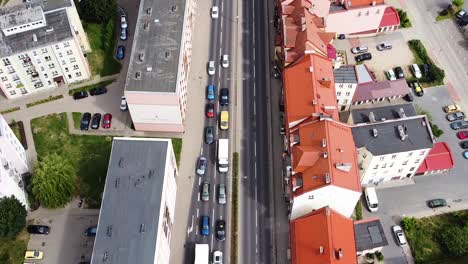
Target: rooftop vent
402,132
339,254
149,11
117,183
374,3
329,107
34,37
150,174
141,56
146,26
314,102
423,123
321,250
327,211
122,162
402,113
311,69
375,133
174,8
167,55
105,257
142,228
324,142
346,167
109,231
327,178
49,29
138,182
138,75
149,69
156,20
372,117
324,155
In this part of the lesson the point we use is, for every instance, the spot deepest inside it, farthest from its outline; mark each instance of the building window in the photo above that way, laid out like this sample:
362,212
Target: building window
382,158
400,170
405,162
417,161
410,154
69,52
338,93
393,157
376,166
422,153
78,74
384,165
72,60
412,168
364,155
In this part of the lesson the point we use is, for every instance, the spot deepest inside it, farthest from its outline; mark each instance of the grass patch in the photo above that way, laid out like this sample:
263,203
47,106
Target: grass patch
88,154
447,13
177,146
234,208
76,119
101,59
9,110
358,211
43,101
89,87
12,251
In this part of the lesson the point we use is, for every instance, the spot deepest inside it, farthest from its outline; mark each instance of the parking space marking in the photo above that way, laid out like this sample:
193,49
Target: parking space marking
453,93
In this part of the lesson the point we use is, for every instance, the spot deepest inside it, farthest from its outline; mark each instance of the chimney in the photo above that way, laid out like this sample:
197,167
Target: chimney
311,69
324,142
324,155
339,253
375,133
34,37
372,117
402,132
327,178
402,113
321,250
326,82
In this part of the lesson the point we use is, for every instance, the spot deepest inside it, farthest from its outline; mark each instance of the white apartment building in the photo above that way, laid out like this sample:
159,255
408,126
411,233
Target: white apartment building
392,142
157,78
136,220
42,48
345,85
13,164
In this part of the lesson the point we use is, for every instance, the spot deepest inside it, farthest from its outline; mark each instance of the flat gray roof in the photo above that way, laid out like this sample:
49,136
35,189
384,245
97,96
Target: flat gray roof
160,43
58,20
369,235
128,220
20,16
382,113
345,74
388,140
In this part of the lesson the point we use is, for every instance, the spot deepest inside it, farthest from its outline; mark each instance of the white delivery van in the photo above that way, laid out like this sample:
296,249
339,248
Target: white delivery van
371,199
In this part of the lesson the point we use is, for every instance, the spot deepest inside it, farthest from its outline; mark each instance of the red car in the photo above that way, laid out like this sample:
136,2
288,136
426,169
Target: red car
106,122
210,112
462,134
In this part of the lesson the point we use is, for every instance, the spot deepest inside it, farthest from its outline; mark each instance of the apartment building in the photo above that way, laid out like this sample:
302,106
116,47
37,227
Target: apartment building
392,142
322,236
157,78
13,164
346,83
137,213
42,48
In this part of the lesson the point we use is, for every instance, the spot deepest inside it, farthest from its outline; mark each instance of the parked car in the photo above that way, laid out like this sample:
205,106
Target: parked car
85,120
435,203
214,12
210,111
106,121
123,104
217,257
98,91
120,52
220,230
123,34
209,135
455,116
459,125
210,92
201,166
38,229
222,194
462,134
465,154
96,121
363,57
391,75
91,231
80,95
384,46
205,225
205,192
224,97
461,14
452,108
399,235
416,71
418,90
360,49
33,254
464,144
225,61
425,68
211,68
123,22
399,73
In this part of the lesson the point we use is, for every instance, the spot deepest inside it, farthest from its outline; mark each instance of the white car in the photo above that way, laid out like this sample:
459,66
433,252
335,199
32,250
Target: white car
361,49
225,61
214,12
123,104
416,71
217,257
123,22
391,75
383,46
399,235
211,68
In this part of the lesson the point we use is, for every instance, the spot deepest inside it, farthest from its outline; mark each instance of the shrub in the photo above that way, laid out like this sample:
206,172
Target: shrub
419,50
458,3
370,255
409,223
455,240
436,130
404,19
358,211
379,256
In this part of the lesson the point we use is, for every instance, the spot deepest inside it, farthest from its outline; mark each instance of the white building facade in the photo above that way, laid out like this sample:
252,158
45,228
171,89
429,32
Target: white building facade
345,86
13,164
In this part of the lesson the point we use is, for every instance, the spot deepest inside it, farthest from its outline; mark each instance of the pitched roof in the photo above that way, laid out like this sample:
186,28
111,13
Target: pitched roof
369,234
309,88
345,74
390,18
323,236
376,90
319,154
361,3
439,158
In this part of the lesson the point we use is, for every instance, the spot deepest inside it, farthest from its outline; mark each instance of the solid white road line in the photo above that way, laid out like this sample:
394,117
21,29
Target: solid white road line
198,196
199,181
198,212
221,37
214,194
255,149
211,245
222,6
254,71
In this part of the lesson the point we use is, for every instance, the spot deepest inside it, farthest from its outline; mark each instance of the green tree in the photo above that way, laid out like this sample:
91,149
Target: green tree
108,35
404,19
458,3
455,240
99,11
54,181
12,217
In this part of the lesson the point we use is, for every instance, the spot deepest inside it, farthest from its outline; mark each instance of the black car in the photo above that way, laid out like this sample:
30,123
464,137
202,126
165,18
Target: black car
80,95
96,121
464,144
363,57
98,91
434,203
209,135
399,73
85,121
424,68
224,97
220,230
38,229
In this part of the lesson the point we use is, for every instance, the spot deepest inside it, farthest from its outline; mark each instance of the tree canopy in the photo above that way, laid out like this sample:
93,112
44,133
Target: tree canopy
99,11
12,217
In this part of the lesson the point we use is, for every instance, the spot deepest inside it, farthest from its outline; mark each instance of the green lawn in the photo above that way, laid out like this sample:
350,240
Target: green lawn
101,59
89,154
177,145
12,251
76,119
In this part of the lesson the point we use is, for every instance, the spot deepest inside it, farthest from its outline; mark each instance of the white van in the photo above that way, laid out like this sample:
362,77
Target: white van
371,199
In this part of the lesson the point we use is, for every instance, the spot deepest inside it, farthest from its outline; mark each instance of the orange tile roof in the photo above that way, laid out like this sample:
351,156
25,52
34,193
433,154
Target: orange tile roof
309,89
360,3
321,236
311,164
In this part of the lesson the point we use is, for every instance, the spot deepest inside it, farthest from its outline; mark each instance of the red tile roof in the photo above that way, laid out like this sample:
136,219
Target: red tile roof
309,89
325,147
390,18
439,158
323,236
361,3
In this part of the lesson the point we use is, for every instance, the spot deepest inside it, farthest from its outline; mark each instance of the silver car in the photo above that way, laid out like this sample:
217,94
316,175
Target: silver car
222,194
205,195
361,49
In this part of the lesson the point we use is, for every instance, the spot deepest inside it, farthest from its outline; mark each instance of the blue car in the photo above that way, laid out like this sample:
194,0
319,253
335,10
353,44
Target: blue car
120,52
210,92
205,226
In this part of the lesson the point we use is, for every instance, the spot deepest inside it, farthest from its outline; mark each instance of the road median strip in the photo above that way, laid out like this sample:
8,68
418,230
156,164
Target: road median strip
9,110
234,226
